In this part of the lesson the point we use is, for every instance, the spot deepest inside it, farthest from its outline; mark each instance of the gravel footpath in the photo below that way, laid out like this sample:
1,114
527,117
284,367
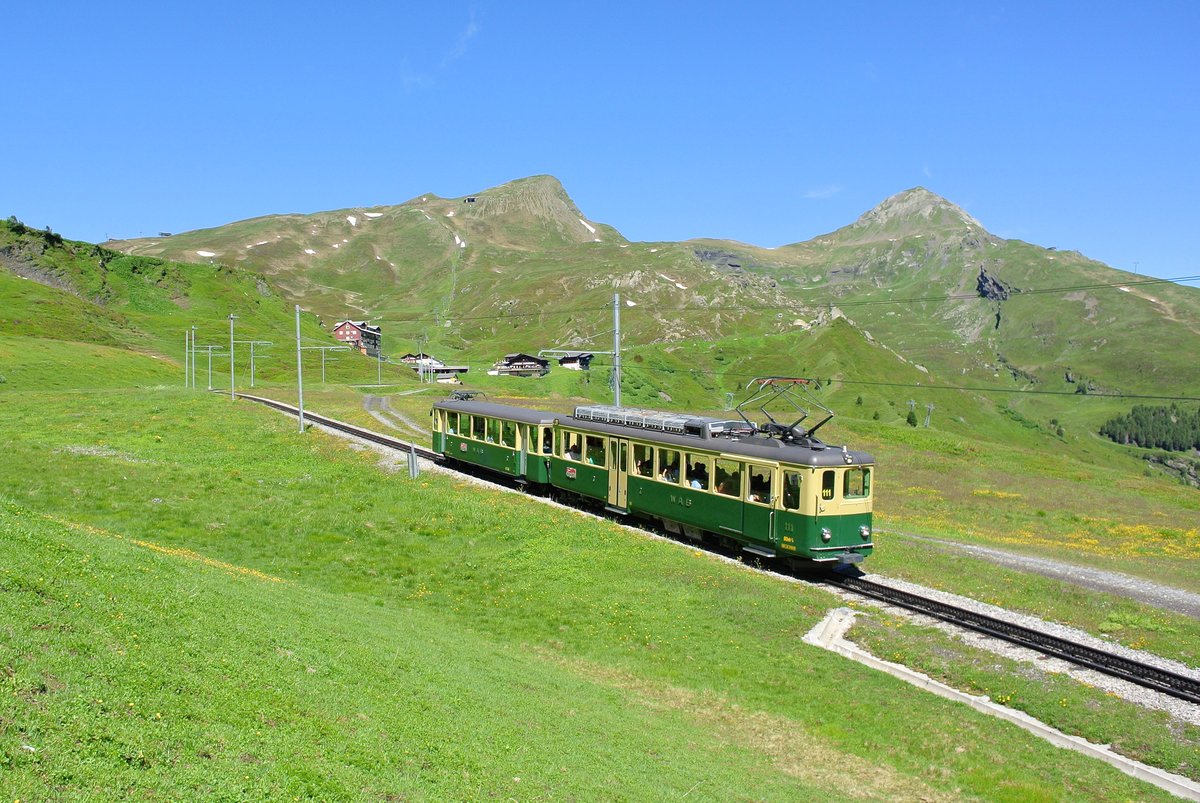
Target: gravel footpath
392,461
1124,585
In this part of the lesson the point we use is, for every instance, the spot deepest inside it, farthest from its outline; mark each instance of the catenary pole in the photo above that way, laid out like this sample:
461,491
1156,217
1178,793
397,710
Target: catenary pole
299,369
187,354
232,318
617,349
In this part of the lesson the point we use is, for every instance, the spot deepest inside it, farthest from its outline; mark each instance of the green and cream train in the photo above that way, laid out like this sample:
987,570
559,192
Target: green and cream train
772,495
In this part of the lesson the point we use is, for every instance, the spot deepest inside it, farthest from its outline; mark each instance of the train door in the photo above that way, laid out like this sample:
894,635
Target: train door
523,453
758,515
618,473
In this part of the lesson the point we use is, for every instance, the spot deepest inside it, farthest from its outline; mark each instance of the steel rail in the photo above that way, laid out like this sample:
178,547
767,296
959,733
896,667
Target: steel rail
350,429
1142,674
1152,677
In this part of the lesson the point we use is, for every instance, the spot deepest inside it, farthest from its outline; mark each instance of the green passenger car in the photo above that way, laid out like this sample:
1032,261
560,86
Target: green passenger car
702,478
507,440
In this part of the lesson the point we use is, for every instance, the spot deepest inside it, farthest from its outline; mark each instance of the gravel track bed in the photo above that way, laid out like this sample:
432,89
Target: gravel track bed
1179,709
1124,585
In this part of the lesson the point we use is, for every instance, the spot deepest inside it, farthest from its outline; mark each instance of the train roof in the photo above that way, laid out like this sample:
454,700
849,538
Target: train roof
522,414
757,446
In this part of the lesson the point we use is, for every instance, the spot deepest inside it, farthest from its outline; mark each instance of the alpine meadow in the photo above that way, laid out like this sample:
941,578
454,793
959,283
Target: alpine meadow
198,600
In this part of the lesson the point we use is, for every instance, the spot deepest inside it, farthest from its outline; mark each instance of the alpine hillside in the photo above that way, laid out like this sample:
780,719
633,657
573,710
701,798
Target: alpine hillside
923,285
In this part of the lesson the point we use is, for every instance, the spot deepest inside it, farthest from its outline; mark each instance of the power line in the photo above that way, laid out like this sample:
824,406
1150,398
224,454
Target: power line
910,385
501,316
812,302
945,297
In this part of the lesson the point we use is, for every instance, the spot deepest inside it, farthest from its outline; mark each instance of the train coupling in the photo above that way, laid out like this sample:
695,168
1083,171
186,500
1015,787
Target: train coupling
849,558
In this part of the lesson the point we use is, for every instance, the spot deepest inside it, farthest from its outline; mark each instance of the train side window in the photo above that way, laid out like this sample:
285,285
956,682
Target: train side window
791,490
728,477
643,460
828,479
595,450
547,440
857,483
477,423
572,445
493,430
698,472
760,485
508,434
452,422
668,465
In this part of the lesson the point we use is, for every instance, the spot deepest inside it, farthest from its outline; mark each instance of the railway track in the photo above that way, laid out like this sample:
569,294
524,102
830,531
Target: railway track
1142,674
1151,677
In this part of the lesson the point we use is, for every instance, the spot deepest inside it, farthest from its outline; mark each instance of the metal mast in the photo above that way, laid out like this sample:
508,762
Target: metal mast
616,379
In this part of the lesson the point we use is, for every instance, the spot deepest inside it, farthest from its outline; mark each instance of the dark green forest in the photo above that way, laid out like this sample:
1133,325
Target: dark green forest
1171,428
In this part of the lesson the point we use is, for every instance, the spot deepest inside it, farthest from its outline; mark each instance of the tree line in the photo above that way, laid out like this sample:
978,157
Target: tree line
1172,428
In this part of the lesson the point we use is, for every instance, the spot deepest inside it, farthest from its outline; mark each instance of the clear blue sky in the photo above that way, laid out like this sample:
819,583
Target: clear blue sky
1074,125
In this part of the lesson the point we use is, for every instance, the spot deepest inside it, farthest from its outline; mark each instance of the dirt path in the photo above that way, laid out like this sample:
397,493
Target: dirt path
1151,593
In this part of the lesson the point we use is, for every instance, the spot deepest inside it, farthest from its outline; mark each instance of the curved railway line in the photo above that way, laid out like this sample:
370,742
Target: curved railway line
1148,676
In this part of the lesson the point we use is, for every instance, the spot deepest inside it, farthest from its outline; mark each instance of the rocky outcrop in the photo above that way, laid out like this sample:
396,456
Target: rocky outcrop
991,288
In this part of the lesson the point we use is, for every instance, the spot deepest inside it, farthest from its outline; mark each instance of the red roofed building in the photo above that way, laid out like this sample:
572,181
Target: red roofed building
359,335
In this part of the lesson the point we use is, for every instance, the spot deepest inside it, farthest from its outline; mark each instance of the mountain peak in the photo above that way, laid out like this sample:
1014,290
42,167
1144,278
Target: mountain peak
535,211
915,206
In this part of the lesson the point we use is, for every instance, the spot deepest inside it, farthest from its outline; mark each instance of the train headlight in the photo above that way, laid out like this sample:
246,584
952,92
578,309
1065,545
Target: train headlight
865,532
826,534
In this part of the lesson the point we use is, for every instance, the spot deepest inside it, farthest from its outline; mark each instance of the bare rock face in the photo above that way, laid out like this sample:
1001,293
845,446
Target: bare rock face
991,288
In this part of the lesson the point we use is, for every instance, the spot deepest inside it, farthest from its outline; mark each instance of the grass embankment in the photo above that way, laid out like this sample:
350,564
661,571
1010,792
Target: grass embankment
1143,734
457,638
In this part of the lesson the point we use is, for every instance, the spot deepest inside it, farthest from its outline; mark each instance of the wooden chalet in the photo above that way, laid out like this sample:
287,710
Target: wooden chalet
431,367
520,364
576,360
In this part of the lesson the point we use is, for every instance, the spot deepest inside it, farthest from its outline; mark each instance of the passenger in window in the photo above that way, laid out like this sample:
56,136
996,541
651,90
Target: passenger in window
670,473
760,489
645,468
699,477
547,441
573,451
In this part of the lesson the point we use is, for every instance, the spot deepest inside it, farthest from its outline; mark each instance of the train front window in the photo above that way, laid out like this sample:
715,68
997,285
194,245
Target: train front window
857,483
828,479
477,422
728,478
547,440
791,490
643,460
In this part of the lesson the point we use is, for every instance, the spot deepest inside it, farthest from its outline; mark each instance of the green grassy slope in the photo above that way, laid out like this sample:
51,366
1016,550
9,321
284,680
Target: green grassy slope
132,312
414,655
